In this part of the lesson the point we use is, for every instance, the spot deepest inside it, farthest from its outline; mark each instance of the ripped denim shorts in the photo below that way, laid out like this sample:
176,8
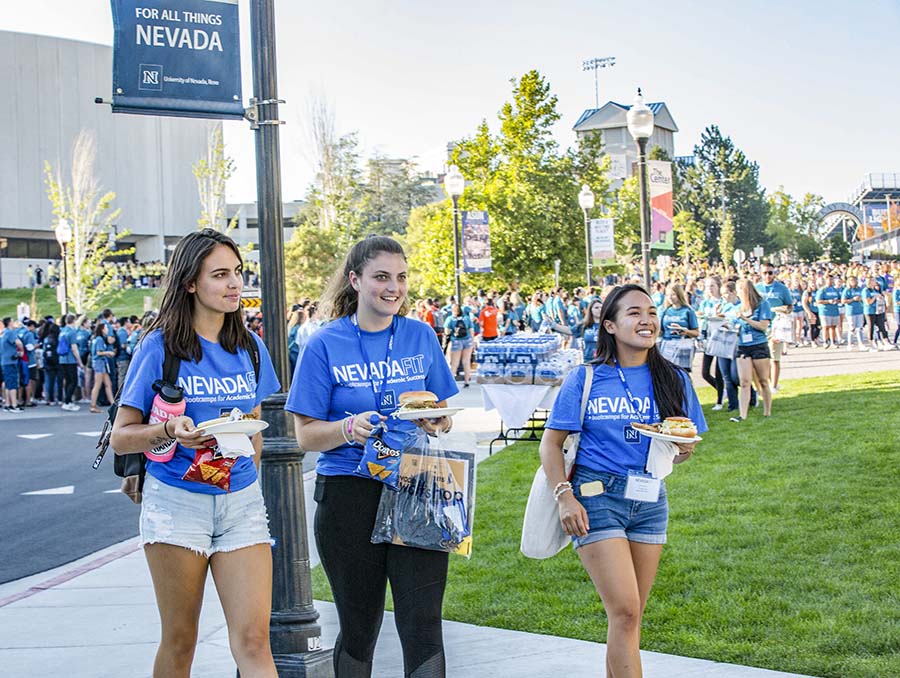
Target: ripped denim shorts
205,523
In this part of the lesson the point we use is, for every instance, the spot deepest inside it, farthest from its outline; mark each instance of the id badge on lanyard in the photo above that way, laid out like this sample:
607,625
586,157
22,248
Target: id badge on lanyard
639,486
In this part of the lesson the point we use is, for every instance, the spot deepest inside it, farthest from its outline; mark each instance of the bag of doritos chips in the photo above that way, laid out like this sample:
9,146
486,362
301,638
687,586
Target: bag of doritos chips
434,504
382,454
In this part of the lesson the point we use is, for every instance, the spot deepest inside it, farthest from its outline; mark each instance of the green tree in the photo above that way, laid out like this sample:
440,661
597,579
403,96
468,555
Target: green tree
529,188
790,220
392,189
689,241
723,173
726,240
212,173
310,257
91,215
808,248
839,250
626,214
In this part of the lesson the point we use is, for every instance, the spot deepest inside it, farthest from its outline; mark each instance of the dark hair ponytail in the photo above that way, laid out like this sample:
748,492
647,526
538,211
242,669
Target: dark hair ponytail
668,382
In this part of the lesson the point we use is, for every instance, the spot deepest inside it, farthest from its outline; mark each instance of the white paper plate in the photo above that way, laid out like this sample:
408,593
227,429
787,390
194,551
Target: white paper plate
247,426
435,413
668,438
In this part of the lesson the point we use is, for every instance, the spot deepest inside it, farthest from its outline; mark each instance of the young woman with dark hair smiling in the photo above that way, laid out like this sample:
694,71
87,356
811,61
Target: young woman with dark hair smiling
616,513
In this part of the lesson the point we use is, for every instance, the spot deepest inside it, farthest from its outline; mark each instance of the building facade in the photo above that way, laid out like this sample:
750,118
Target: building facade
50,85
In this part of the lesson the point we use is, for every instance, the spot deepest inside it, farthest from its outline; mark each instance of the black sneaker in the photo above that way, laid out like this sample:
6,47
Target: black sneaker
736,420
6,408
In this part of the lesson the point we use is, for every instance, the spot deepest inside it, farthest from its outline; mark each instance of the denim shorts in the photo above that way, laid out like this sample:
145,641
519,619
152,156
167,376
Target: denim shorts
99,365
460,344
205,523
11,376
612,516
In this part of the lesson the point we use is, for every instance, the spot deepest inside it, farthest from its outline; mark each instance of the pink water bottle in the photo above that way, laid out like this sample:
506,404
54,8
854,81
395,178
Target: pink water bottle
168,403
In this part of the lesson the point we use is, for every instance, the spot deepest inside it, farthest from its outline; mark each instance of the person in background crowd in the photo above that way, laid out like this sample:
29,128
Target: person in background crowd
587,330
29,273
69,362
193,523
753,347
11,351
52,372
297,317
38,276
828,299
895,298
458,329
808,301
488,321
255,325
83,341
677,319
28,365
659,294
874,306
710,312
619,540
366,302
856,319
781,303
798,314
535,311
508,323
311,325
100,352
123,357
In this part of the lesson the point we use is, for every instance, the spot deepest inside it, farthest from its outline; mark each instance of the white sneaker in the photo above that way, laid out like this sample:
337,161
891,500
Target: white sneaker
873,350
717,407
774,389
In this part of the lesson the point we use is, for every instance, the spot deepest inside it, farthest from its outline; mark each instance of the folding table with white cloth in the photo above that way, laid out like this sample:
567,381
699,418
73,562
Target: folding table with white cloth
516,404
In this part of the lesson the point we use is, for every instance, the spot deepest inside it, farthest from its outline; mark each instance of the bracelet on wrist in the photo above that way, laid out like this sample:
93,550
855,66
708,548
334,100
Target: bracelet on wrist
166,429
347,430
561,488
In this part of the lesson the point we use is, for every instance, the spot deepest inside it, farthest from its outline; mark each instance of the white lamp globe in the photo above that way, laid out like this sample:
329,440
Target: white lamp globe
586,197
454,182
640,119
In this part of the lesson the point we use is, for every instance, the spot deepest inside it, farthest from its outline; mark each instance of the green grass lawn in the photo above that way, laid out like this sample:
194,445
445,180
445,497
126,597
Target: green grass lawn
784,541
125,302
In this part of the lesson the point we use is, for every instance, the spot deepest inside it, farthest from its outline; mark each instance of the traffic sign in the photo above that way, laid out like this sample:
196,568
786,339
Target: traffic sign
739,257
251,302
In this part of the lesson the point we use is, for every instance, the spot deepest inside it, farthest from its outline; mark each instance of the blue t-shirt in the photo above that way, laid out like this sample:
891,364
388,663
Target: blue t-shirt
708,309
98,344
219,382
293,346
8,353
896,298
828,294
777,294
853,307
589,340
869,295
332,378
684,316
67,358
83,341
608,443
658,299
750,336
450,324
810,296
122,337
797,295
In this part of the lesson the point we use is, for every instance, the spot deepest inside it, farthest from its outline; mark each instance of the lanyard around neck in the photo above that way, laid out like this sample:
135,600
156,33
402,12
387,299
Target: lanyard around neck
632,400
377,391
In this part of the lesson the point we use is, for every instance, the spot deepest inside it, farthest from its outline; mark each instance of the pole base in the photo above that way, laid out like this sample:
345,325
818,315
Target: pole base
315,664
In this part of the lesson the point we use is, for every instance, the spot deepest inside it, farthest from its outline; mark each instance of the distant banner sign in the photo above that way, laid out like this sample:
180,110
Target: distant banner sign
877,216
662,235
618,166
476,242
177,57
603,244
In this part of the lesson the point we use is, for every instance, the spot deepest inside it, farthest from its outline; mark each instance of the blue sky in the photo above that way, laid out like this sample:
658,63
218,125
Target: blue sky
807,89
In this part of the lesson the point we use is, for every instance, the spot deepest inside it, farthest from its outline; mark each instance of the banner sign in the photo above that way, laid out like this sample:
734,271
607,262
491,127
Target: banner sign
662,235
476,242
603,244
618,166
876,216
177,57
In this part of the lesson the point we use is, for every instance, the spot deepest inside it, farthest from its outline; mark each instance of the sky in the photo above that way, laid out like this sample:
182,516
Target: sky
807,89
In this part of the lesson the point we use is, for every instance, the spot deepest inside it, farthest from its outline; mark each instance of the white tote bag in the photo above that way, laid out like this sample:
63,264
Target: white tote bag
542,533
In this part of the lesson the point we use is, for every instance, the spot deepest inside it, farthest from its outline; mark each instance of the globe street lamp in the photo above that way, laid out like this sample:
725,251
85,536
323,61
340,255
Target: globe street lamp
455,184
640,125
586,201
64,237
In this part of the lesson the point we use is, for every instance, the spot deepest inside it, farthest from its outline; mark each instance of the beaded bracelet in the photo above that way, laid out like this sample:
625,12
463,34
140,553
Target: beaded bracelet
347,430
561,488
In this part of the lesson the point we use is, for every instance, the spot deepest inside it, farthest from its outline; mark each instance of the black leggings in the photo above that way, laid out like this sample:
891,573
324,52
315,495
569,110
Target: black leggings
717,383
358,572
69,380
876,321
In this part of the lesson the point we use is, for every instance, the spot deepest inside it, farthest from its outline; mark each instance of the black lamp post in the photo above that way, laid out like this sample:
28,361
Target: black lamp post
586,201
455,184
64,237
294,631
640,125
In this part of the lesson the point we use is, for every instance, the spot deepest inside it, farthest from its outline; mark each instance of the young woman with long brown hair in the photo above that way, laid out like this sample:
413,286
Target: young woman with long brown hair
191,523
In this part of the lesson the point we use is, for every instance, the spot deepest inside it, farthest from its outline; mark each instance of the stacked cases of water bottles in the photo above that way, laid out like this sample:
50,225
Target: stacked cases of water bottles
526,360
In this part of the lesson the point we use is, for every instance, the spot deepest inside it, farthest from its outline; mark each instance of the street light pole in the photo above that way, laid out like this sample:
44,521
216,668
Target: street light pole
640,125
294,631
64,237
586,202
455,184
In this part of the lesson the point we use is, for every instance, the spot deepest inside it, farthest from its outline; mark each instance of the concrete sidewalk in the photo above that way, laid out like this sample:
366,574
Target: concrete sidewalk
97,618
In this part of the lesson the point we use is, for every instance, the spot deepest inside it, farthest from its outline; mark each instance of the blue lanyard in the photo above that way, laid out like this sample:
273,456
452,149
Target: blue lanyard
376,391
631,398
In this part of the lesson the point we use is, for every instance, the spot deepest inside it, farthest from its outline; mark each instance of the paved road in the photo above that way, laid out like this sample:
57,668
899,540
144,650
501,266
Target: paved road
49,450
